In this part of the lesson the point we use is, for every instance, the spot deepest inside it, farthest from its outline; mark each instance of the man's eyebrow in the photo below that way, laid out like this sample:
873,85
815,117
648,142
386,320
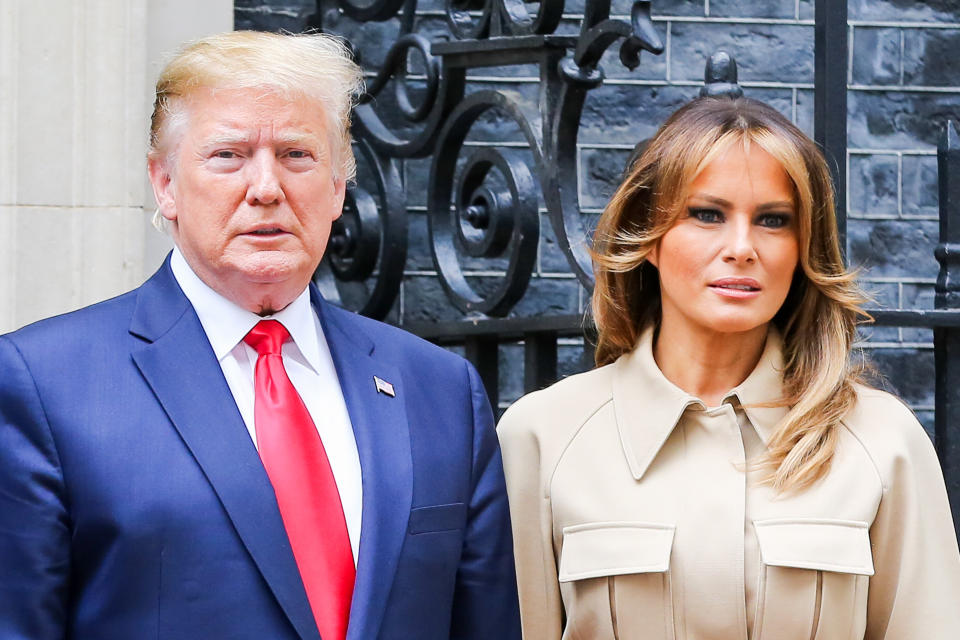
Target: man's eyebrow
297,137
242,137
227,137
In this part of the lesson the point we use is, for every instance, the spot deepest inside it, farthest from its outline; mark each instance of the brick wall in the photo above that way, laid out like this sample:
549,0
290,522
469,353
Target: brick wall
904,82
903,85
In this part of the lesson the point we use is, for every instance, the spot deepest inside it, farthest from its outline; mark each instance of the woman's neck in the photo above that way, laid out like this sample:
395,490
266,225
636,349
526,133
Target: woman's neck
707,364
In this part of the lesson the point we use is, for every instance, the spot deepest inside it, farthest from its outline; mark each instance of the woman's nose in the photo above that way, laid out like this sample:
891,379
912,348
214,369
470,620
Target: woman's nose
740,243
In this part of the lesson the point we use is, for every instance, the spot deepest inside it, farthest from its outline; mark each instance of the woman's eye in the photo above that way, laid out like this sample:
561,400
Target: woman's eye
708,216
774,220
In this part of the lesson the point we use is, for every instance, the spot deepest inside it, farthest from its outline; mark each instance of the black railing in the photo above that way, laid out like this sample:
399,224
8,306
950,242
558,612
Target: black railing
946,334
486,207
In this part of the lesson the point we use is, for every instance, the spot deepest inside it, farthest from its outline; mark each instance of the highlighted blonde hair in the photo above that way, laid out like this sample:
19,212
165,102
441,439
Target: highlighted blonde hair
315,66
817,320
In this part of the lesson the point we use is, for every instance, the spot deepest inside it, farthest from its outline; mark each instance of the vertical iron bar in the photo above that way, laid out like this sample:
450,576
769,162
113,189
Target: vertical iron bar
539,360
946,341
830,98
484,353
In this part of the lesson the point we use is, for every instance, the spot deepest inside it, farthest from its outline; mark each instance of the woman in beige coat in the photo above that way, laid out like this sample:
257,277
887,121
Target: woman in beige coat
725,473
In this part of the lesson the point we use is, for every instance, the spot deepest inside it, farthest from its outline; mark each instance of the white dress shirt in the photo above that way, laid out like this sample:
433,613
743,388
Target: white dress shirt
309,365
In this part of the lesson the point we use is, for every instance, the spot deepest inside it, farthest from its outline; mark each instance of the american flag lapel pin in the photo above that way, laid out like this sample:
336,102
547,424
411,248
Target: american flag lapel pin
384,387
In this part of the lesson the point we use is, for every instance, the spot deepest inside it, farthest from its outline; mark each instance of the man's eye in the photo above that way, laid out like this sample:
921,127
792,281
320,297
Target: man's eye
708,216
226,155
297,154
774,220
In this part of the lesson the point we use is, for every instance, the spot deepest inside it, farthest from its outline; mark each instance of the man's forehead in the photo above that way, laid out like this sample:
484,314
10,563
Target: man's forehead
241,106
248,117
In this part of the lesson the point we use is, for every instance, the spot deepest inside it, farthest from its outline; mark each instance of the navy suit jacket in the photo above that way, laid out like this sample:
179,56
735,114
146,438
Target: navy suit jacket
133,503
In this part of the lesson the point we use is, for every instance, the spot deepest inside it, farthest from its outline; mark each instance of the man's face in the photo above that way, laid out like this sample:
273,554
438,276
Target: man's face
250,193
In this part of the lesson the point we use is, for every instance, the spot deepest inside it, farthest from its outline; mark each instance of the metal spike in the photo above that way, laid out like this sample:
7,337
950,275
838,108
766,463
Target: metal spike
720,76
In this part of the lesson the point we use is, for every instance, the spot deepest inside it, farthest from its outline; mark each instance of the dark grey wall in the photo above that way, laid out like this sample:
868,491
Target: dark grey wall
904,81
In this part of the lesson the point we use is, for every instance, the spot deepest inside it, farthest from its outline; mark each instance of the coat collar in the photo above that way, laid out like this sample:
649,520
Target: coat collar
383,442
181,368
647,406
179,364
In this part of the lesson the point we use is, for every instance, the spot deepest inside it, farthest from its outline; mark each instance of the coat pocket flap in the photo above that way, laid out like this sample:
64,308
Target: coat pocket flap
840,546
614,548
442,517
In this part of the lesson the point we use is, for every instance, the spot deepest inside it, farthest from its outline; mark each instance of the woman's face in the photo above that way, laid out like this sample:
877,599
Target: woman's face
727,263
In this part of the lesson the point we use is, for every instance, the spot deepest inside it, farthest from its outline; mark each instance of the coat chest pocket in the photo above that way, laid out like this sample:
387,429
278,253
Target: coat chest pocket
434,519
616,581
814,579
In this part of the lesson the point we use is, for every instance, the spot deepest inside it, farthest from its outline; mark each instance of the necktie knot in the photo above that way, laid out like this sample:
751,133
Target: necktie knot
267,337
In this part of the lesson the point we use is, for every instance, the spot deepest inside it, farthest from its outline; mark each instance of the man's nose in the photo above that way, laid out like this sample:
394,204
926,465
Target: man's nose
740,243
263,179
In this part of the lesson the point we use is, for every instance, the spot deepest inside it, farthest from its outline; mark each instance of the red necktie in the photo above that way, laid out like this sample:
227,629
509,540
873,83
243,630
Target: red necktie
299,471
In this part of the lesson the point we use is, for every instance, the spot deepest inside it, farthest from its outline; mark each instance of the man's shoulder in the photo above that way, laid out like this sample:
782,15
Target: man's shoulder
89,325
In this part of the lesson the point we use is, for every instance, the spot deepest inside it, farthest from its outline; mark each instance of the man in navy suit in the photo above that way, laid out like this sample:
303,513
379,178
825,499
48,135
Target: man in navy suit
220,454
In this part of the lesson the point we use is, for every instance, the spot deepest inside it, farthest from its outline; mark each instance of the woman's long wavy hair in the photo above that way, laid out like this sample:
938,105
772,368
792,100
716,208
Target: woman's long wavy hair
819,316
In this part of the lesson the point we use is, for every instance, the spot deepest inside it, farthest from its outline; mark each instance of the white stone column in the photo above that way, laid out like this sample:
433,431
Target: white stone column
76,84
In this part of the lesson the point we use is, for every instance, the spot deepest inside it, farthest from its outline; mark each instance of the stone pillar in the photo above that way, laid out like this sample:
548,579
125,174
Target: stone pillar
75,96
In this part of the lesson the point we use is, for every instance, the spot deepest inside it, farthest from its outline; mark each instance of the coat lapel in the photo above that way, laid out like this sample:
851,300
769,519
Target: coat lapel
383,442
181,369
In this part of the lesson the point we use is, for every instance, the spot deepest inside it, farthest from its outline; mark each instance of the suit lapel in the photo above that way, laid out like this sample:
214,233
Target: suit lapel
383,442
181,369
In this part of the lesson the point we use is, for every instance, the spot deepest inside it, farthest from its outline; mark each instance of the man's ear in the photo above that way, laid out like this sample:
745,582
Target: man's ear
162,183
339,191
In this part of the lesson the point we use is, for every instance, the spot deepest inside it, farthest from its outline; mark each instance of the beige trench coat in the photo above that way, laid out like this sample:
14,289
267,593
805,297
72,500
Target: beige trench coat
634,516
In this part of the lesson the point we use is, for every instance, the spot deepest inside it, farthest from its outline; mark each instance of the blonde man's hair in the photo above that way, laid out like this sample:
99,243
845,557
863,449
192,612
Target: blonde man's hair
316,66
817,320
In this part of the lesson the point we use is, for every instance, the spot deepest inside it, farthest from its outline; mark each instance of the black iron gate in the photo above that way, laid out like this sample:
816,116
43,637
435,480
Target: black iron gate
486,207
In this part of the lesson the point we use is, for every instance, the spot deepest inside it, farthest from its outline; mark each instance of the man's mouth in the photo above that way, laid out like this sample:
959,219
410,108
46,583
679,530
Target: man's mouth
267,232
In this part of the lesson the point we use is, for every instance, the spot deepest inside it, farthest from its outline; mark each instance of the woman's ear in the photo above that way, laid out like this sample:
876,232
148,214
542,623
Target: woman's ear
654,256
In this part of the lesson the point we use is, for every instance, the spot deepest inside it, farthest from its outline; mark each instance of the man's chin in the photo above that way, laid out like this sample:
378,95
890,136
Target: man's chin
268,267
265,286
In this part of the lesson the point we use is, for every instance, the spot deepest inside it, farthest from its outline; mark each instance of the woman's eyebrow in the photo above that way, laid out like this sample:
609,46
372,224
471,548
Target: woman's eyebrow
766,206
777,204
712,199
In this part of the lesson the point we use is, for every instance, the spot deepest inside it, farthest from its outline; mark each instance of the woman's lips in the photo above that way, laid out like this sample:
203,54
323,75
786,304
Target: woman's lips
736,287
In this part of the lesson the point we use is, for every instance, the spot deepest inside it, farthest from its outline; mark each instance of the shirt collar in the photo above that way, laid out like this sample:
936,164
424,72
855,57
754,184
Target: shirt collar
647,406
764,385
226,323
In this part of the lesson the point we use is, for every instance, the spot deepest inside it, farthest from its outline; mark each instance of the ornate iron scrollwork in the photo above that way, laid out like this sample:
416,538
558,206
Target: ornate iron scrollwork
375,11
484,205
502,18
580,74
368,242
487,221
